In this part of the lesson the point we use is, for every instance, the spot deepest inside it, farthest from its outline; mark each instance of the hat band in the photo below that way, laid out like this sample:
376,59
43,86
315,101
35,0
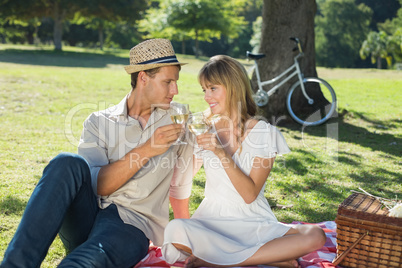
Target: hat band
168,59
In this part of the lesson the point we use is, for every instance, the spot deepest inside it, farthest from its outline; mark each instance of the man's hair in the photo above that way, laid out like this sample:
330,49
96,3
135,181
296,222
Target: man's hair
151,73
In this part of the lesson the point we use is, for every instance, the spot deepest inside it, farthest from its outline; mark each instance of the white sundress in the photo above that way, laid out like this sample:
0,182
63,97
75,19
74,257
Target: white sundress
224,229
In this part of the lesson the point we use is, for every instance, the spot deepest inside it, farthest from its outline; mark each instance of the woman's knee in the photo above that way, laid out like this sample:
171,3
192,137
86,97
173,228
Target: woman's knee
313,236
316,237
174,225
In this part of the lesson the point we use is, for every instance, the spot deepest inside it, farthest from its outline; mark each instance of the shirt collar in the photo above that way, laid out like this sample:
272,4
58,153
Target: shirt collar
121,110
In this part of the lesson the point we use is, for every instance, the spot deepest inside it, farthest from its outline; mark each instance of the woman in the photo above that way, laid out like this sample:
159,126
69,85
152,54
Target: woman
234,224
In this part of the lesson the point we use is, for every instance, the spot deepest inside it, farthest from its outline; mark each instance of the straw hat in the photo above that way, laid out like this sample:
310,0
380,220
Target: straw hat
151,54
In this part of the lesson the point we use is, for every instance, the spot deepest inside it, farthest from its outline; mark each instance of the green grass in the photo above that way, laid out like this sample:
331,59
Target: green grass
45,96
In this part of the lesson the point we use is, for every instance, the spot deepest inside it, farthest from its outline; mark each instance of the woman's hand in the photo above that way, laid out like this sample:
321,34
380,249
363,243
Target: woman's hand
209,141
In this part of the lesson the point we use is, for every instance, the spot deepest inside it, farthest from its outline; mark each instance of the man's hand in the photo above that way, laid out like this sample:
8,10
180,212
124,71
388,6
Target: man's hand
163,137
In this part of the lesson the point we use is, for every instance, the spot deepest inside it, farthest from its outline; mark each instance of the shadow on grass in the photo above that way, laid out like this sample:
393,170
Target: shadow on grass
377,141
313,215
296,165
11,205
61,58
330,195
379,187
347,160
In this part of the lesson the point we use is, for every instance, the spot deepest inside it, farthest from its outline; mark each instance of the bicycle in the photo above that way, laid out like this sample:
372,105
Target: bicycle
299,108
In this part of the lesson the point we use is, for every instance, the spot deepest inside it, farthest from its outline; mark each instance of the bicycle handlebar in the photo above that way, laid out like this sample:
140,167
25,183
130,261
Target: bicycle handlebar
297,47
298,44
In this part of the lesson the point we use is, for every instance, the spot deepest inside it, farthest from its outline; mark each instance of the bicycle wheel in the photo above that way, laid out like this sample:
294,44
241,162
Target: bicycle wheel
321,106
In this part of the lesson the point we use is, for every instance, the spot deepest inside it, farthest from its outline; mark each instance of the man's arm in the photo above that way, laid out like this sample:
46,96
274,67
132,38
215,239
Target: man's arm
180,186
112,176
180,208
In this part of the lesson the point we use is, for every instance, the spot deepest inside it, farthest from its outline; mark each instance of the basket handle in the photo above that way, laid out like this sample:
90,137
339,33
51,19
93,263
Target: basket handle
338,259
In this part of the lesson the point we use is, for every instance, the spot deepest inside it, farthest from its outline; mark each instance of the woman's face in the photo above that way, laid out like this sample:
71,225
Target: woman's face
215,96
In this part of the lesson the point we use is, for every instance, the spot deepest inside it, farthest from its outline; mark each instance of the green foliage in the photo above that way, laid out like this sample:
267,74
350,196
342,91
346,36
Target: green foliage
256,38
390,26
80,35
13,32
155,25
382,10
377,46
393,28
237,47
115,11
97,14
199,20
220,26
340,30
122,35
204,18
26,10
395,45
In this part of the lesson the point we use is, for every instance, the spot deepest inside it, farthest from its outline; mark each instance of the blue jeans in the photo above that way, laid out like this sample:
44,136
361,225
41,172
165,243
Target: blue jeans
63,202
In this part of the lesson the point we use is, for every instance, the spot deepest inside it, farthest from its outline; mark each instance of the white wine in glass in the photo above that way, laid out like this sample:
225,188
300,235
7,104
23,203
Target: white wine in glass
198,125
179,115
179,118
198,128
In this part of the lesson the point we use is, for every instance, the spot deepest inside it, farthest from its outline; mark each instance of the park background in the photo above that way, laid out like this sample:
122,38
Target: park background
48,88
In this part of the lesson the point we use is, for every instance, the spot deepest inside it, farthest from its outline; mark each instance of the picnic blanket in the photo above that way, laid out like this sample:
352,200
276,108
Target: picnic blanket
321,258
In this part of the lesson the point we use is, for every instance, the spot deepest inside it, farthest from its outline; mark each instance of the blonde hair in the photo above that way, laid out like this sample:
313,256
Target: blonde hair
228,72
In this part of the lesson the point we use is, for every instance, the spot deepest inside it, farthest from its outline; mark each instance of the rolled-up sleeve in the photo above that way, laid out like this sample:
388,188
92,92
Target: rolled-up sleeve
92,147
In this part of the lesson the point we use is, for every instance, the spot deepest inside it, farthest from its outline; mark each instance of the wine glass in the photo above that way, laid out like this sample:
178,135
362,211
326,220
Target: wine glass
180,115
198,125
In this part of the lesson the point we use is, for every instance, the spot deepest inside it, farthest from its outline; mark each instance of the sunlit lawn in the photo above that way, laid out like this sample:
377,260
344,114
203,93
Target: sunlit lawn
45,97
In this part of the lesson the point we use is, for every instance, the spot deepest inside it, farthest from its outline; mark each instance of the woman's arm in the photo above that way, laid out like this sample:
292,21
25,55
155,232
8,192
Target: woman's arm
248,186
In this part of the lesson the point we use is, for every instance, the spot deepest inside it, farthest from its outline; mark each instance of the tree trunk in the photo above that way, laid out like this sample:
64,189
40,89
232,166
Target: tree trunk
379,65
183,46
36,37
100,36
58,17
283,19
196,44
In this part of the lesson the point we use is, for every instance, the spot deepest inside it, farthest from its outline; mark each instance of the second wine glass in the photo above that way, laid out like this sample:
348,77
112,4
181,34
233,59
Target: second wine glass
198,125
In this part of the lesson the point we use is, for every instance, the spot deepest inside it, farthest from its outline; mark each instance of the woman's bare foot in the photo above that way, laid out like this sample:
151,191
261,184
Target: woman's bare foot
193,261
190,262
286,264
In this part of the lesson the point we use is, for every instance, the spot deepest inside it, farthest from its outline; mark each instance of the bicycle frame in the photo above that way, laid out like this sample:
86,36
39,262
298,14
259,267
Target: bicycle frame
292,71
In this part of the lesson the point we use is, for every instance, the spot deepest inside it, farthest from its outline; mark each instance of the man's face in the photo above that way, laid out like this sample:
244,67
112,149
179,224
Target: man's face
161,89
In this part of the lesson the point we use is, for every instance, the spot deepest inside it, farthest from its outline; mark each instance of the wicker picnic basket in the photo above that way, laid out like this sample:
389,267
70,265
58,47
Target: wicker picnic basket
366,236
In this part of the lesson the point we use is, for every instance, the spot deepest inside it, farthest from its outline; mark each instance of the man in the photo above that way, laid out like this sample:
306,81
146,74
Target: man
127,159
